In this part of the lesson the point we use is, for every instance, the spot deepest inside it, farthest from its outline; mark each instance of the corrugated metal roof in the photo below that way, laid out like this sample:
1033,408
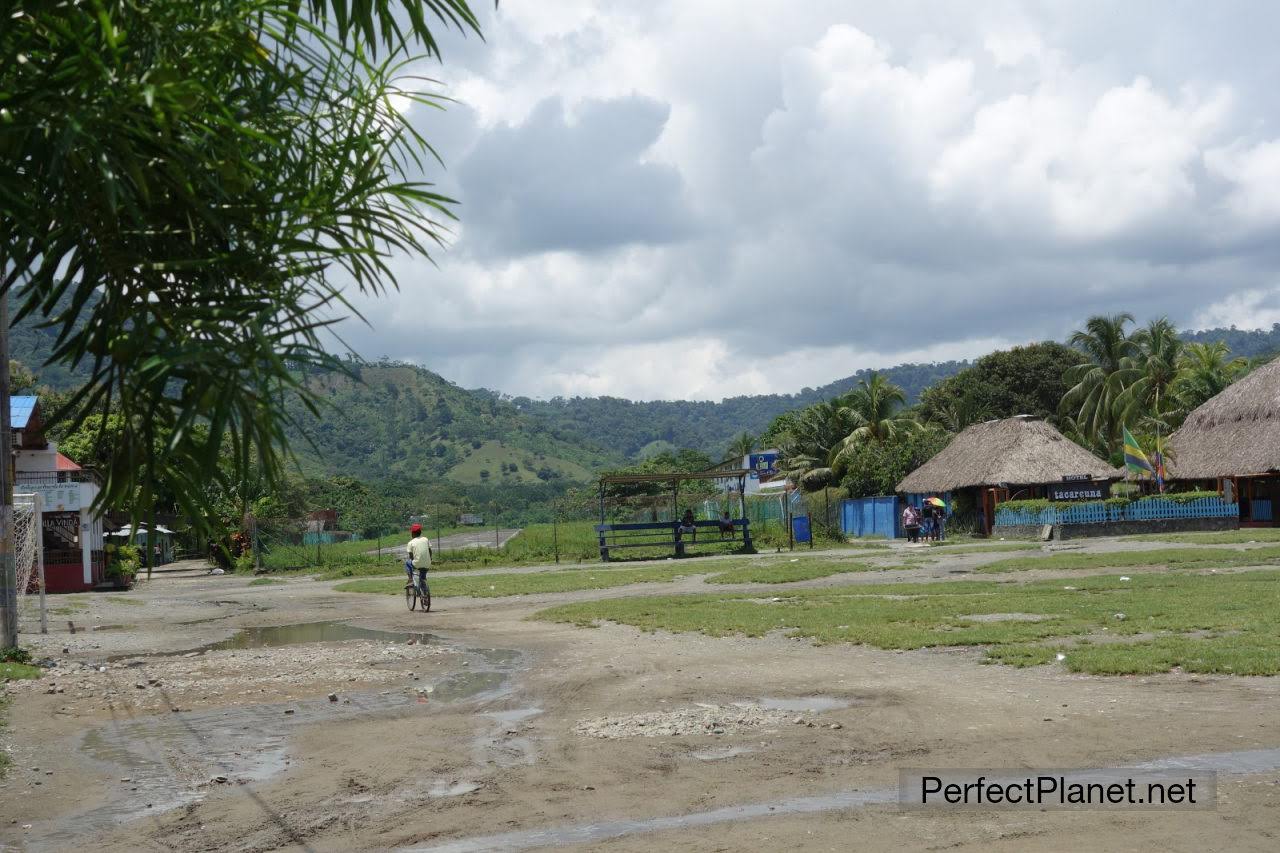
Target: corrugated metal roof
20,409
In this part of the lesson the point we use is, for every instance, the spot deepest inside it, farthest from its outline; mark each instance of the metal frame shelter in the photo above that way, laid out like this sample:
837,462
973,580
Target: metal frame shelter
661,533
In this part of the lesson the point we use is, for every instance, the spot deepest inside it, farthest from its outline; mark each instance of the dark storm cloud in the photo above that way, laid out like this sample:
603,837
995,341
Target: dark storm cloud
552,183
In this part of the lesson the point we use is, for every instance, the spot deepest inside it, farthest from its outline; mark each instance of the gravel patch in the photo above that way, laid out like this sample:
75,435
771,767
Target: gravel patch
697,720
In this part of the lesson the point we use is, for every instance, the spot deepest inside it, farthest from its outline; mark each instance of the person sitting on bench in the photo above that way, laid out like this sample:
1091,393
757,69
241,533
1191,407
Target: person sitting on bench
687,526
726,525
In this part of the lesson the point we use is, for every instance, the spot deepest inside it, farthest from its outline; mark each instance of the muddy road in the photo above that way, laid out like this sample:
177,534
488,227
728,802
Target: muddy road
202,713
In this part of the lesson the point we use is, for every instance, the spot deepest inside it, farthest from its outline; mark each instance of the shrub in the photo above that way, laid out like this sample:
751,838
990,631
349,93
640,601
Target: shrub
15,654
244,563
1182,497
123,561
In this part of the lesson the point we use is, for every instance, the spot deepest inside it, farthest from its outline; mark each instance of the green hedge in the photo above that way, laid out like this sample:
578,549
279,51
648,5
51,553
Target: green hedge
1036,505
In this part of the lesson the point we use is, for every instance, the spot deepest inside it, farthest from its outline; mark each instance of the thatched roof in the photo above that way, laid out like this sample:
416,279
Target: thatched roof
1235,433
1021,450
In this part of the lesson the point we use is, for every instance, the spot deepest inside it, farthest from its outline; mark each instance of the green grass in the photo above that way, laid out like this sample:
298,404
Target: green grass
1225,537
18,670
1227,623
1183,558
531,583
771,571
492,455
978,546
120,599
264,581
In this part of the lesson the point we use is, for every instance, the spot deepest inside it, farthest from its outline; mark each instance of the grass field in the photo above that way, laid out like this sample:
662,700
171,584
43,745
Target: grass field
1183,558
493,455
770,571
982,546
1226,537
1228,623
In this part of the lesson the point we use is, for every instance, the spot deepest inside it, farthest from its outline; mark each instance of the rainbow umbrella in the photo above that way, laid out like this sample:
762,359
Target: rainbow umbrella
936,502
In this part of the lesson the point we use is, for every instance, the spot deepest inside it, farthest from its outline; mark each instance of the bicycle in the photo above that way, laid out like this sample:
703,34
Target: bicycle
416,598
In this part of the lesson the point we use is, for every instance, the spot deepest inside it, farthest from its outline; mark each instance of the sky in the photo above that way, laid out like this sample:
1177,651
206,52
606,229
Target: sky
694,199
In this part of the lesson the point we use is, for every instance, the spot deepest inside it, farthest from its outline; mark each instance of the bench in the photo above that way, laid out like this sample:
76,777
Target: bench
651,534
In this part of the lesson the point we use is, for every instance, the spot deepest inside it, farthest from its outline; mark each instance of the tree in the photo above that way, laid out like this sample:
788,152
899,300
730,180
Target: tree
873,410
811,444
742,445
198,181
1148,377
1204,371
1096,384
876,468
1025,380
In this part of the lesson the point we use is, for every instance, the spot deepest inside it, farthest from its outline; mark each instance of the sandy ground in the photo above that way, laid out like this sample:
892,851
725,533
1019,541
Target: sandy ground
474,728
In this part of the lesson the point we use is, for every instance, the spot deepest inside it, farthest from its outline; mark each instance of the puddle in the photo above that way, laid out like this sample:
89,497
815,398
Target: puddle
812,704
1246,762
457,789
274,636
721,754
170,759
517,715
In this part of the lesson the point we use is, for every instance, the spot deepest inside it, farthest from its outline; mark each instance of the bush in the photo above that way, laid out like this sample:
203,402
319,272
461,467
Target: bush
123,561
15,654
244,563
1182,497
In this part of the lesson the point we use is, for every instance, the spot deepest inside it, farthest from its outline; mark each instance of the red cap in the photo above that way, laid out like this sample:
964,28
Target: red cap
415,528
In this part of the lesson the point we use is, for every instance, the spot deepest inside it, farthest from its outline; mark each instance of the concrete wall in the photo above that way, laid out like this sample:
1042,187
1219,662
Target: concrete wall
1129,528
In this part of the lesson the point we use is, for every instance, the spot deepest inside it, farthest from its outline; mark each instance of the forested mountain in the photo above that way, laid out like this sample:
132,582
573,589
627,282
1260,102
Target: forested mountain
401,419
631,426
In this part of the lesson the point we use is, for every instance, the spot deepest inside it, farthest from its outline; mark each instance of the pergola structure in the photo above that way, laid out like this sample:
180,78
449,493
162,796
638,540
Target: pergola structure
643,534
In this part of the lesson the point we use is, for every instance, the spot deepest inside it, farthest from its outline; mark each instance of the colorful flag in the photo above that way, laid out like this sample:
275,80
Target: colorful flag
1158,463
1134,459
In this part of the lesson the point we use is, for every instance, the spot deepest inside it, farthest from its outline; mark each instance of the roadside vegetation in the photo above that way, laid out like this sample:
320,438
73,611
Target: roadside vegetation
1227,623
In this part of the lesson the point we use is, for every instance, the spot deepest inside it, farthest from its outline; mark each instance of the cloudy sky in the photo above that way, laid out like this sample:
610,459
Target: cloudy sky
702,198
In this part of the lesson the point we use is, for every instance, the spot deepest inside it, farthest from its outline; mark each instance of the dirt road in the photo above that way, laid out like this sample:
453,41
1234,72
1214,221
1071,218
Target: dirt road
181,716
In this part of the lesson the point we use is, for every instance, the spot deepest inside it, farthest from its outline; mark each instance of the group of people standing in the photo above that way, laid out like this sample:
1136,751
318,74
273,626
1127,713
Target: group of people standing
927,522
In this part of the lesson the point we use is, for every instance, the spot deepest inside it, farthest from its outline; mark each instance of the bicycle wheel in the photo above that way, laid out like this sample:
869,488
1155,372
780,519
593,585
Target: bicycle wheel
410,596
425,598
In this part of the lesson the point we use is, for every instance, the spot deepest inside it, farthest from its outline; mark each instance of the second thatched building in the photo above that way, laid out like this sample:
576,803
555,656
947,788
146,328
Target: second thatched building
1232,443
1015,458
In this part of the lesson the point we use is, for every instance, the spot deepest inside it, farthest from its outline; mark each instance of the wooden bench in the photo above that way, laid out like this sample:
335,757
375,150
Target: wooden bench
652,534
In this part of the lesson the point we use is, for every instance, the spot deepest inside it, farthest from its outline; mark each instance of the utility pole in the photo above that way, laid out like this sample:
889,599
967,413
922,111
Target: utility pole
8,567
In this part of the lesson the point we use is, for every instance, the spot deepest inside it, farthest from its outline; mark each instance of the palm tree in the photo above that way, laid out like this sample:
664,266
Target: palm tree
874,413
1096,384
957,416
1149,376
1205,372
809,449
743,444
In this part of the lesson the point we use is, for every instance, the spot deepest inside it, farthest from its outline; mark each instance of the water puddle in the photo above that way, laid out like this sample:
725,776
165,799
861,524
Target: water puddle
516,715
1241,763
175,759
275,636
721,753
810,704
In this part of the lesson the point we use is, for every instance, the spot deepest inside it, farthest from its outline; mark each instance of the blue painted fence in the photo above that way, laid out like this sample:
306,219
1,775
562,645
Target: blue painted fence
1099,513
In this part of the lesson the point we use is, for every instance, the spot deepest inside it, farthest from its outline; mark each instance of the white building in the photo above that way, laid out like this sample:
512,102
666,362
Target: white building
72,533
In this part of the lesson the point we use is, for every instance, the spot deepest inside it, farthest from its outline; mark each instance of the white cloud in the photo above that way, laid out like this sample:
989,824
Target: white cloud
778,197
1249,309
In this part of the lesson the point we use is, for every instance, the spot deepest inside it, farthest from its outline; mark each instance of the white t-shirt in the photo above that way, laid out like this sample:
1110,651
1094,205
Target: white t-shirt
419,552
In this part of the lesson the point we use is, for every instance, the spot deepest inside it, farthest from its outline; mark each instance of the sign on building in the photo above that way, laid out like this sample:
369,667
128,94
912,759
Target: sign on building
763,465
58,497
1077,491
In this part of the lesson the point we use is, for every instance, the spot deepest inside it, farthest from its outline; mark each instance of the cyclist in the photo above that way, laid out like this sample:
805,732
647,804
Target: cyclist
419,555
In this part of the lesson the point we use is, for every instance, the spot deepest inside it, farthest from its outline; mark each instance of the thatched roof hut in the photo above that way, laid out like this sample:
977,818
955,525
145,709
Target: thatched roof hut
1236,433
1022,450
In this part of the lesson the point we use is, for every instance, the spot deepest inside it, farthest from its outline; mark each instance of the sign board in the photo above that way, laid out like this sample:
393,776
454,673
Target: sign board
1079,491
800,527
1076,478
58,497
762,465
470,518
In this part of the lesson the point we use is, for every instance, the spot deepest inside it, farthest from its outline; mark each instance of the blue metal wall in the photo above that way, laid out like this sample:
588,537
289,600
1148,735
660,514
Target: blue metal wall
870,517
